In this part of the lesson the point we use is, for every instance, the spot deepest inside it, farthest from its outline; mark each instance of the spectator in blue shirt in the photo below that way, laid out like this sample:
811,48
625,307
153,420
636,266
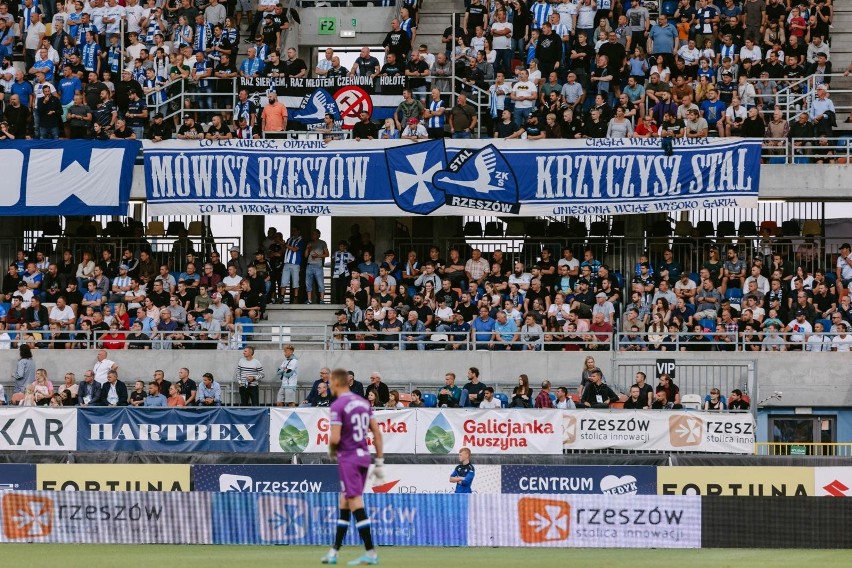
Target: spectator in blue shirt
664,40
464,473
155,398
505,337
482,329
413,333
24,89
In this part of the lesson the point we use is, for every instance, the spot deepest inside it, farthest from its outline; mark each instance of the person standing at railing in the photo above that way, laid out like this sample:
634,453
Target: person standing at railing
248,375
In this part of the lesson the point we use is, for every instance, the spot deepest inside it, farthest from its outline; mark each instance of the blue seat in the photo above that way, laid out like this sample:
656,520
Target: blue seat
695,278
619,278
826,324
734,293
504,400
721,397
708,323
430,400
552,397
463,398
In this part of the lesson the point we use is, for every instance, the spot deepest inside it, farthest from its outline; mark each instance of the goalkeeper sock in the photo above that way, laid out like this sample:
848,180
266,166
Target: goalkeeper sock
362,523
342,527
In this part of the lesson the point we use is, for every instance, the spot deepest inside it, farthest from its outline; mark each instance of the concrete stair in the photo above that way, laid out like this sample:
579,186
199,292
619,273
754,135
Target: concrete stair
300,324
841,55
434,19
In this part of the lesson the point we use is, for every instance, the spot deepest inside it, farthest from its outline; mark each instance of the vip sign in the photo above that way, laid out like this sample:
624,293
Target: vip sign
307,430
599,521
38,429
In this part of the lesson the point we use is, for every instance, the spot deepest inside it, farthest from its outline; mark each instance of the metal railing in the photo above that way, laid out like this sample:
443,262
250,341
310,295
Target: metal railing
803,449
806,150
799,94
723,340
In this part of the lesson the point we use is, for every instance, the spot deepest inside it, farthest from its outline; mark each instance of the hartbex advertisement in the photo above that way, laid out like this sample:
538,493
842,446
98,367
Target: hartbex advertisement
666,431
173,430
106,517
307,430
39,429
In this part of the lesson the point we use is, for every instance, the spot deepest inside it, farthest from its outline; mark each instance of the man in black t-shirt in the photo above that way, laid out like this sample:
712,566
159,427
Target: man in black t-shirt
397,41
475,16
295,67
365,65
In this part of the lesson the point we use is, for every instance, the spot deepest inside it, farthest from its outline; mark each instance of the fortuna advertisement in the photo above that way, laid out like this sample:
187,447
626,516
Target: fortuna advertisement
307,430
449,177
730,433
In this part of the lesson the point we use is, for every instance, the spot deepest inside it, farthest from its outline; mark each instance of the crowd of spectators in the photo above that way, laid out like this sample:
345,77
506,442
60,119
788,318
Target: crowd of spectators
535,69
129,298
769,298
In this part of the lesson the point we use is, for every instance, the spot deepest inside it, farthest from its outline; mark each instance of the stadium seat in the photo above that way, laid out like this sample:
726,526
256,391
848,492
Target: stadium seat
405,398
514,227
812,227
708,323
660,229
472,229
826,324
616,405
790,228
734,293
552,397
463,398
725,229
705,229
721,397
695,278
156,229
617,229
747,229
691,401
770,226
557,229
504,400
599,229
493,229
52,228
537,228
196,229
683,229
619,278
430,400
175,228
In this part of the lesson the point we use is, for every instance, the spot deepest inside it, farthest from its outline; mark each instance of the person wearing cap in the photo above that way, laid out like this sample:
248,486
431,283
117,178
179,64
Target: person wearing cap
120,284
798,329
414,130
604,307
159,130
211,330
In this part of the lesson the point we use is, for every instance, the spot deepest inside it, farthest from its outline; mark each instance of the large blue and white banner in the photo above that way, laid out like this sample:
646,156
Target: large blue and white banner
449,177
66,177
185,430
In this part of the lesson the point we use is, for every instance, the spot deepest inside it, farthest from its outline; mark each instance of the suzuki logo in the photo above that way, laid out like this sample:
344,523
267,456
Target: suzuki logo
543,520
27,517
239,483
836,488
685,430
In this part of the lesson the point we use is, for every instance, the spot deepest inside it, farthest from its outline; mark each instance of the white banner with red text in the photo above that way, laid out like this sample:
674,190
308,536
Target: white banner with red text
667,431
307,430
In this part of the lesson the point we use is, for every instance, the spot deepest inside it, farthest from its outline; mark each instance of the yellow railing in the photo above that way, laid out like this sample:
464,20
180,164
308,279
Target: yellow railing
802,449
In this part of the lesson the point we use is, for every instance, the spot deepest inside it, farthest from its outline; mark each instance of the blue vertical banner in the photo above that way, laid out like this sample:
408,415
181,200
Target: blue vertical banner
310,519
450,177
66,177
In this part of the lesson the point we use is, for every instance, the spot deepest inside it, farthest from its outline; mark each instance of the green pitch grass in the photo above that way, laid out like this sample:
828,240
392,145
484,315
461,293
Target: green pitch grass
111,556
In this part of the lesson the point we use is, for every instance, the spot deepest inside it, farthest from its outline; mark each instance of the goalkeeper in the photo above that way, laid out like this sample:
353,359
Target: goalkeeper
351,422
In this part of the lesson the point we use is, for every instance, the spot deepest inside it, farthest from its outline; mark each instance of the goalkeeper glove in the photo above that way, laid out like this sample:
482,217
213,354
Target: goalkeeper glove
378,473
